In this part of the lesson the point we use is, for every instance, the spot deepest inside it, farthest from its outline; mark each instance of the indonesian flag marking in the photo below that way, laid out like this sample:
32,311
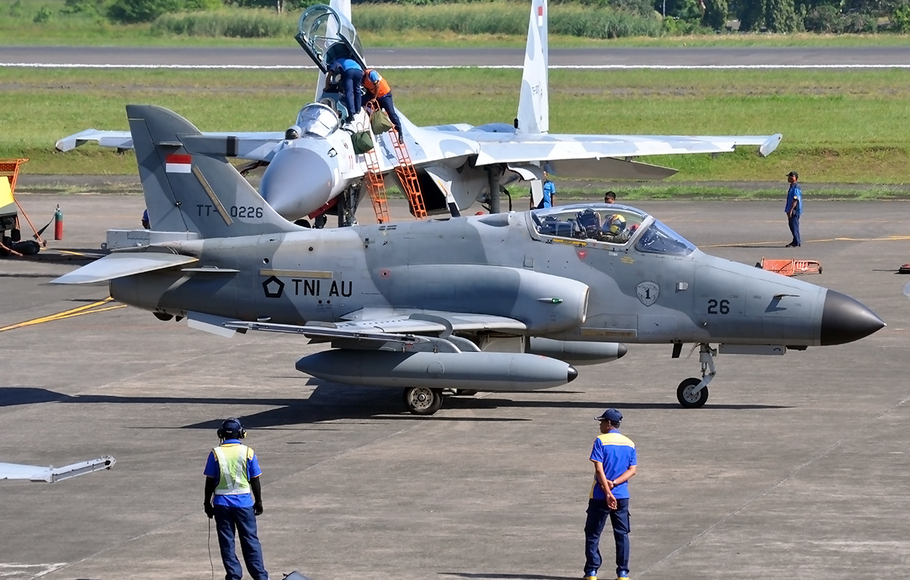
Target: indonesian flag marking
178,164
540,15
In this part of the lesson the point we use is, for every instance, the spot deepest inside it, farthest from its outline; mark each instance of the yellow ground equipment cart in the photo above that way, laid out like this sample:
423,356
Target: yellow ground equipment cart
10,237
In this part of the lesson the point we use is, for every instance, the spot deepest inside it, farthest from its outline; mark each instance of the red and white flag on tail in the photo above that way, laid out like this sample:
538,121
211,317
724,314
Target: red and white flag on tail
178,164
540,15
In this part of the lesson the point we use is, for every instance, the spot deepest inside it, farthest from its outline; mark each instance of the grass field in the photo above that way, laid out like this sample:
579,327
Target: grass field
18,27
847,126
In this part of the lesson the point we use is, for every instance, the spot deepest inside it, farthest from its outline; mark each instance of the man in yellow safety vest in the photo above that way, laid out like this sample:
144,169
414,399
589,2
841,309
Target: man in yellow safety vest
232,477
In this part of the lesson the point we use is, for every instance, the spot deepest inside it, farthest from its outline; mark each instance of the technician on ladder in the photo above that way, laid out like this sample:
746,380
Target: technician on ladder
378,88
231,474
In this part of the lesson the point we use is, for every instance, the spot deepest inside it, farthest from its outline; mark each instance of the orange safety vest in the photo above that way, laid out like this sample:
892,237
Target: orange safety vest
379,89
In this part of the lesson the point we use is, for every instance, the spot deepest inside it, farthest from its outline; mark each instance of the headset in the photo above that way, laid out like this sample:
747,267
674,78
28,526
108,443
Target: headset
231,428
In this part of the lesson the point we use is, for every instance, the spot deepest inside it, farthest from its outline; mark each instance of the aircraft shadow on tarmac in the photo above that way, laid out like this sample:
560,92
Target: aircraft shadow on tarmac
329,402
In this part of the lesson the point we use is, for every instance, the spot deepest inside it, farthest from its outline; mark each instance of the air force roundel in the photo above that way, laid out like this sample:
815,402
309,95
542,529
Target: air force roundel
648,292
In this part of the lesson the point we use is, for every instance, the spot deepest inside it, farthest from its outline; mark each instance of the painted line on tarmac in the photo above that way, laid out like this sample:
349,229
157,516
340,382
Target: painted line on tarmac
437,67
773,245
79,311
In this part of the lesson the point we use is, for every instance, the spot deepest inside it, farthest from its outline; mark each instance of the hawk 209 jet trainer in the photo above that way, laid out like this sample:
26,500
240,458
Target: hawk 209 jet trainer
500,302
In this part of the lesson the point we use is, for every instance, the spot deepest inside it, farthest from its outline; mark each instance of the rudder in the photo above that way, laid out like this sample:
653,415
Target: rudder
533,103
187,191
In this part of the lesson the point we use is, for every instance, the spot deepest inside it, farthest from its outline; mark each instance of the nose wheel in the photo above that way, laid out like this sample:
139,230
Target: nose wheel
689,395
693,392
422,400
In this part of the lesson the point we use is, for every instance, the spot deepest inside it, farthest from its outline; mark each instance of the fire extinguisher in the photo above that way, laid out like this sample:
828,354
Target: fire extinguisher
58,224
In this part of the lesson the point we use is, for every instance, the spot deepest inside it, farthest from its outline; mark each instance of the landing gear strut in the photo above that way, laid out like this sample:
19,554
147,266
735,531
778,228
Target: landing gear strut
422,400
693,392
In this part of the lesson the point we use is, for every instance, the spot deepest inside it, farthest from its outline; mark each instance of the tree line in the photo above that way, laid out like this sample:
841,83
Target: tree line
678,16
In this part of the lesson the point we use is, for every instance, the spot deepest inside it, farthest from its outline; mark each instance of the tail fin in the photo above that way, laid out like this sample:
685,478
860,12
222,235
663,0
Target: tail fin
188,191
534,104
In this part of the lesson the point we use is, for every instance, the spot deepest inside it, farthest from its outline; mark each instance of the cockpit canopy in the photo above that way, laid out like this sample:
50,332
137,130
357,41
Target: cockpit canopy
609,225
326,36
316,120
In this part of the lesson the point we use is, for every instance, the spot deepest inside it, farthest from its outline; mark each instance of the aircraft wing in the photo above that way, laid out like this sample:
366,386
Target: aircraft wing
255,145
394,327
52,474
118,139
516,148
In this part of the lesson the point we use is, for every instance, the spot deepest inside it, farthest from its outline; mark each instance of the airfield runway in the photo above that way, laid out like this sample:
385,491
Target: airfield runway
797,467
386,58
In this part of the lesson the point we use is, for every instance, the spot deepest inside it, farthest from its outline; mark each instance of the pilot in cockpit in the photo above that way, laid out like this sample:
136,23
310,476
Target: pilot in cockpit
615,230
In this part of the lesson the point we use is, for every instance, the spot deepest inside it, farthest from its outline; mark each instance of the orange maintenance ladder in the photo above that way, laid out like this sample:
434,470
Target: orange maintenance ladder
376,186
408,176
405,169
791,267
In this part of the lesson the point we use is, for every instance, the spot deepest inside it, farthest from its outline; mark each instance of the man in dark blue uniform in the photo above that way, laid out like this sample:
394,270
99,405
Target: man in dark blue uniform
794,208
232,476
615,461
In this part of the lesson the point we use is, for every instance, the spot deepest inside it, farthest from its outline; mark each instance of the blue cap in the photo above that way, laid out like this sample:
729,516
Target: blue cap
610,415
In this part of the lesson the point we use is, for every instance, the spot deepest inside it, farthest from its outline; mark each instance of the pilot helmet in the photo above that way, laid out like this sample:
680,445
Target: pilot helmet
614,225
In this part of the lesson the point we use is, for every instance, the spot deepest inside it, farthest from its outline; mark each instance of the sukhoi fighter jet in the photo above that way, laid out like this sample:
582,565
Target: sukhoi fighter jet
313,163
500,302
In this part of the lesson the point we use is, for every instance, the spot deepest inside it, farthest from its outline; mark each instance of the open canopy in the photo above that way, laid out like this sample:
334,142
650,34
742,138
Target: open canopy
326,35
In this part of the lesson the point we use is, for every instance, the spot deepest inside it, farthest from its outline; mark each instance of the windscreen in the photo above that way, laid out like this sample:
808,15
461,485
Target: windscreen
659,239
317,119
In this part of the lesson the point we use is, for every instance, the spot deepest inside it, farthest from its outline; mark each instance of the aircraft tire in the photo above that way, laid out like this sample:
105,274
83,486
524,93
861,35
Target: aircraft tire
687,396
422,400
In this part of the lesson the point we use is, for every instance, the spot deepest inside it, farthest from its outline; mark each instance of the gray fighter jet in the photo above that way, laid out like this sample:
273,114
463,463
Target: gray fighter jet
500,302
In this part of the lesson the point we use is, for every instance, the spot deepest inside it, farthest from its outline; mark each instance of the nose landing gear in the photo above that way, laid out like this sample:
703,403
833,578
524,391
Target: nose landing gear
693,392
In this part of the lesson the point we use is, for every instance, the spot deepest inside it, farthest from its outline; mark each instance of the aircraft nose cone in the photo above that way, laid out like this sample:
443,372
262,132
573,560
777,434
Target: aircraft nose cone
298,180
845,320
572,374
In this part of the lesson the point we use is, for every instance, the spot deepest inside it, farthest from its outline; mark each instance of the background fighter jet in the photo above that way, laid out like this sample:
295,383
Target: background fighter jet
314,162
504,302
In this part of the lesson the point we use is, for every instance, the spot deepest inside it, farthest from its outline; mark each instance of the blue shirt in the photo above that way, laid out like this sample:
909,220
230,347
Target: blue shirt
549,189
214,471
617,453
346,64
797,194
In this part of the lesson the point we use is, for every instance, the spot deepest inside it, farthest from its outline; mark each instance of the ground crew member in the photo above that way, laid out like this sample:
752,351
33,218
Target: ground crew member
232,475
794,208
351,81
615,463
548,199
610,197
378,88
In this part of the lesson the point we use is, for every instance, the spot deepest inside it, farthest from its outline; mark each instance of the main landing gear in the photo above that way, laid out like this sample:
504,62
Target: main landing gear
426,401
422,400
693,392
